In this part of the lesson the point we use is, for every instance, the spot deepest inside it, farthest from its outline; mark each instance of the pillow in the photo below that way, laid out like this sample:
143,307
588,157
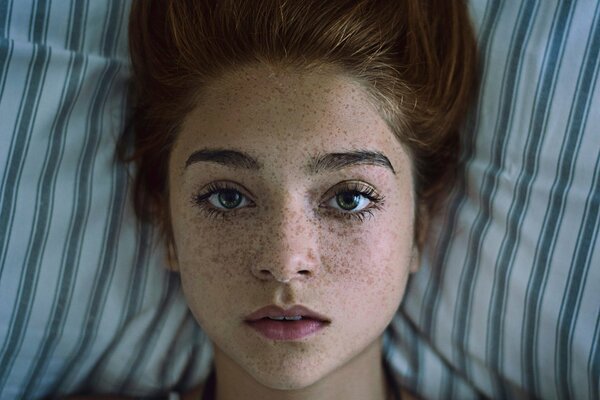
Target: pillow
85,302
506,303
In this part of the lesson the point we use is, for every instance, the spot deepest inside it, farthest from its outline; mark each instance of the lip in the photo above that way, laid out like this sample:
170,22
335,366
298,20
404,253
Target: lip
275,311
286,330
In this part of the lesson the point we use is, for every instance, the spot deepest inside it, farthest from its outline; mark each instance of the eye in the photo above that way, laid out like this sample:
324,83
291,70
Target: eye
353,201
226,198
349,201
222,199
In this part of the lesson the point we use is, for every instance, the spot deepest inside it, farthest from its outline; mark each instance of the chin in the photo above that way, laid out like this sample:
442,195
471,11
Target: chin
293,379
286,383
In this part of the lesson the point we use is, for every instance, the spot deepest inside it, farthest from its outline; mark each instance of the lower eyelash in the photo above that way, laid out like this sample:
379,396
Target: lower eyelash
362,214
215,213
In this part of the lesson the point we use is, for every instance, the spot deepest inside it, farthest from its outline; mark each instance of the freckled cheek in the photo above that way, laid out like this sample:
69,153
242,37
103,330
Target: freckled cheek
216,257
374,262
348,256
210,268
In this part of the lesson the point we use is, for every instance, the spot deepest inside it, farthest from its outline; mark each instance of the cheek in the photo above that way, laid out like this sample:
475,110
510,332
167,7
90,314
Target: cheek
214,274
374,262
213,256
204,259
378,259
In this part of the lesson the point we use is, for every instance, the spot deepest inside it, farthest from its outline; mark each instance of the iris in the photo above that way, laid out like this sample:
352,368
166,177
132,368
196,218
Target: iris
348,200
230,198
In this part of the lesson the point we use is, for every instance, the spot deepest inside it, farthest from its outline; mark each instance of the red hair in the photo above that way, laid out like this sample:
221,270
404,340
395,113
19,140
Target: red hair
416,58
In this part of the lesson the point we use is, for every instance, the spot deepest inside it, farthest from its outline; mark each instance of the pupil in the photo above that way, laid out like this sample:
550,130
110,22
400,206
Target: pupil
348,201
230,198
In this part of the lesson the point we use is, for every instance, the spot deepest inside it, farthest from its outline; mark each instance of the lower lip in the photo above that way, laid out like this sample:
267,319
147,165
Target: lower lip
287,330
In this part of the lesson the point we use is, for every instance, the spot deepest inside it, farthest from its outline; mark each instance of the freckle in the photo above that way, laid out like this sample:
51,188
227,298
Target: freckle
208,277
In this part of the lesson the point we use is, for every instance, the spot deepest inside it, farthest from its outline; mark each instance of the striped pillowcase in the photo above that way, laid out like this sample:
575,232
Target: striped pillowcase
504,304
85,302
507,302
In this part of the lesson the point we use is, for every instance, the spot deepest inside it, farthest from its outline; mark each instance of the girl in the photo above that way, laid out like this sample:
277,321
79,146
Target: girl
290,152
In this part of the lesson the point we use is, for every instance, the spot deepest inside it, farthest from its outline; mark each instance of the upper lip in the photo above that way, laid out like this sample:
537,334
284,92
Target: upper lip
275,311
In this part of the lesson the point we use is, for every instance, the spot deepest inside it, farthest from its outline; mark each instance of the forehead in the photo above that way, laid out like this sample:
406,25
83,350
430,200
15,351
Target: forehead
286,115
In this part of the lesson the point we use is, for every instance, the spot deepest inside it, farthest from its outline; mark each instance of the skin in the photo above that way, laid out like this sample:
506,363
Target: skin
287,242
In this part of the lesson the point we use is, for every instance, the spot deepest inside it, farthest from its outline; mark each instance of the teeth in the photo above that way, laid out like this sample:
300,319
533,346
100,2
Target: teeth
296,318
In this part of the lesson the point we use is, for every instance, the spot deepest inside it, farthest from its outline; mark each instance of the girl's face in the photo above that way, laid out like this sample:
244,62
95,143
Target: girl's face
314,208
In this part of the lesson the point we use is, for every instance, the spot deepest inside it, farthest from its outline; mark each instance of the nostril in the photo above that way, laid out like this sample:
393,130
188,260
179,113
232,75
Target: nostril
267,274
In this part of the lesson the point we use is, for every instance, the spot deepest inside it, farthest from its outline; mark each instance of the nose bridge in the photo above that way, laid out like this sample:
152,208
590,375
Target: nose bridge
291,240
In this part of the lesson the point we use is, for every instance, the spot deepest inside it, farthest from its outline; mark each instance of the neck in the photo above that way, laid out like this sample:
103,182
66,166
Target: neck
362,377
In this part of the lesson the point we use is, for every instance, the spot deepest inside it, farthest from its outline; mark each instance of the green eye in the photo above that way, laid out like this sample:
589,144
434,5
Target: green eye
348,200
221,199
230,198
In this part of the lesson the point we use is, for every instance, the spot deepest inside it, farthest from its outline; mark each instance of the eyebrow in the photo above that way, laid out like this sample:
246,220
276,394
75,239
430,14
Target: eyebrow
230,158
316,164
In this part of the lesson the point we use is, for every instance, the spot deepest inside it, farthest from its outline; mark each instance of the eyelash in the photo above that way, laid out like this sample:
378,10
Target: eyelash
201,201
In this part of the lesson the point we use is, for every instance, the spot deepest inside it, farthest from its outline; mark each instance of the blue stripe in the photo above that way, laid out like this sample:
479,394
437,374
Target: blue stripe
5,14
144,349
134,299
579,270
503,266
20,140
6,52
112,31
101,280
104,273
569,313
457,199
28,107
594,358
407,342
449,387
509,93
39,21
137,282
539,271
63,291
139,275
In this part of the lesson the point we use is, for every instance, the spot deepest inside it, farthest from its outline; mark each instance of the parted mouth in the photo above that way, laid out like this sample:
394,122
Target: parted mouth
294,313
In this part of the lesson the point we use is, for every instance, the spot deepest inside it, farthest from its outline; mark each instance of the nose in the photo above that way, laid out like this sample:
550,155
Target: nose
290,250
